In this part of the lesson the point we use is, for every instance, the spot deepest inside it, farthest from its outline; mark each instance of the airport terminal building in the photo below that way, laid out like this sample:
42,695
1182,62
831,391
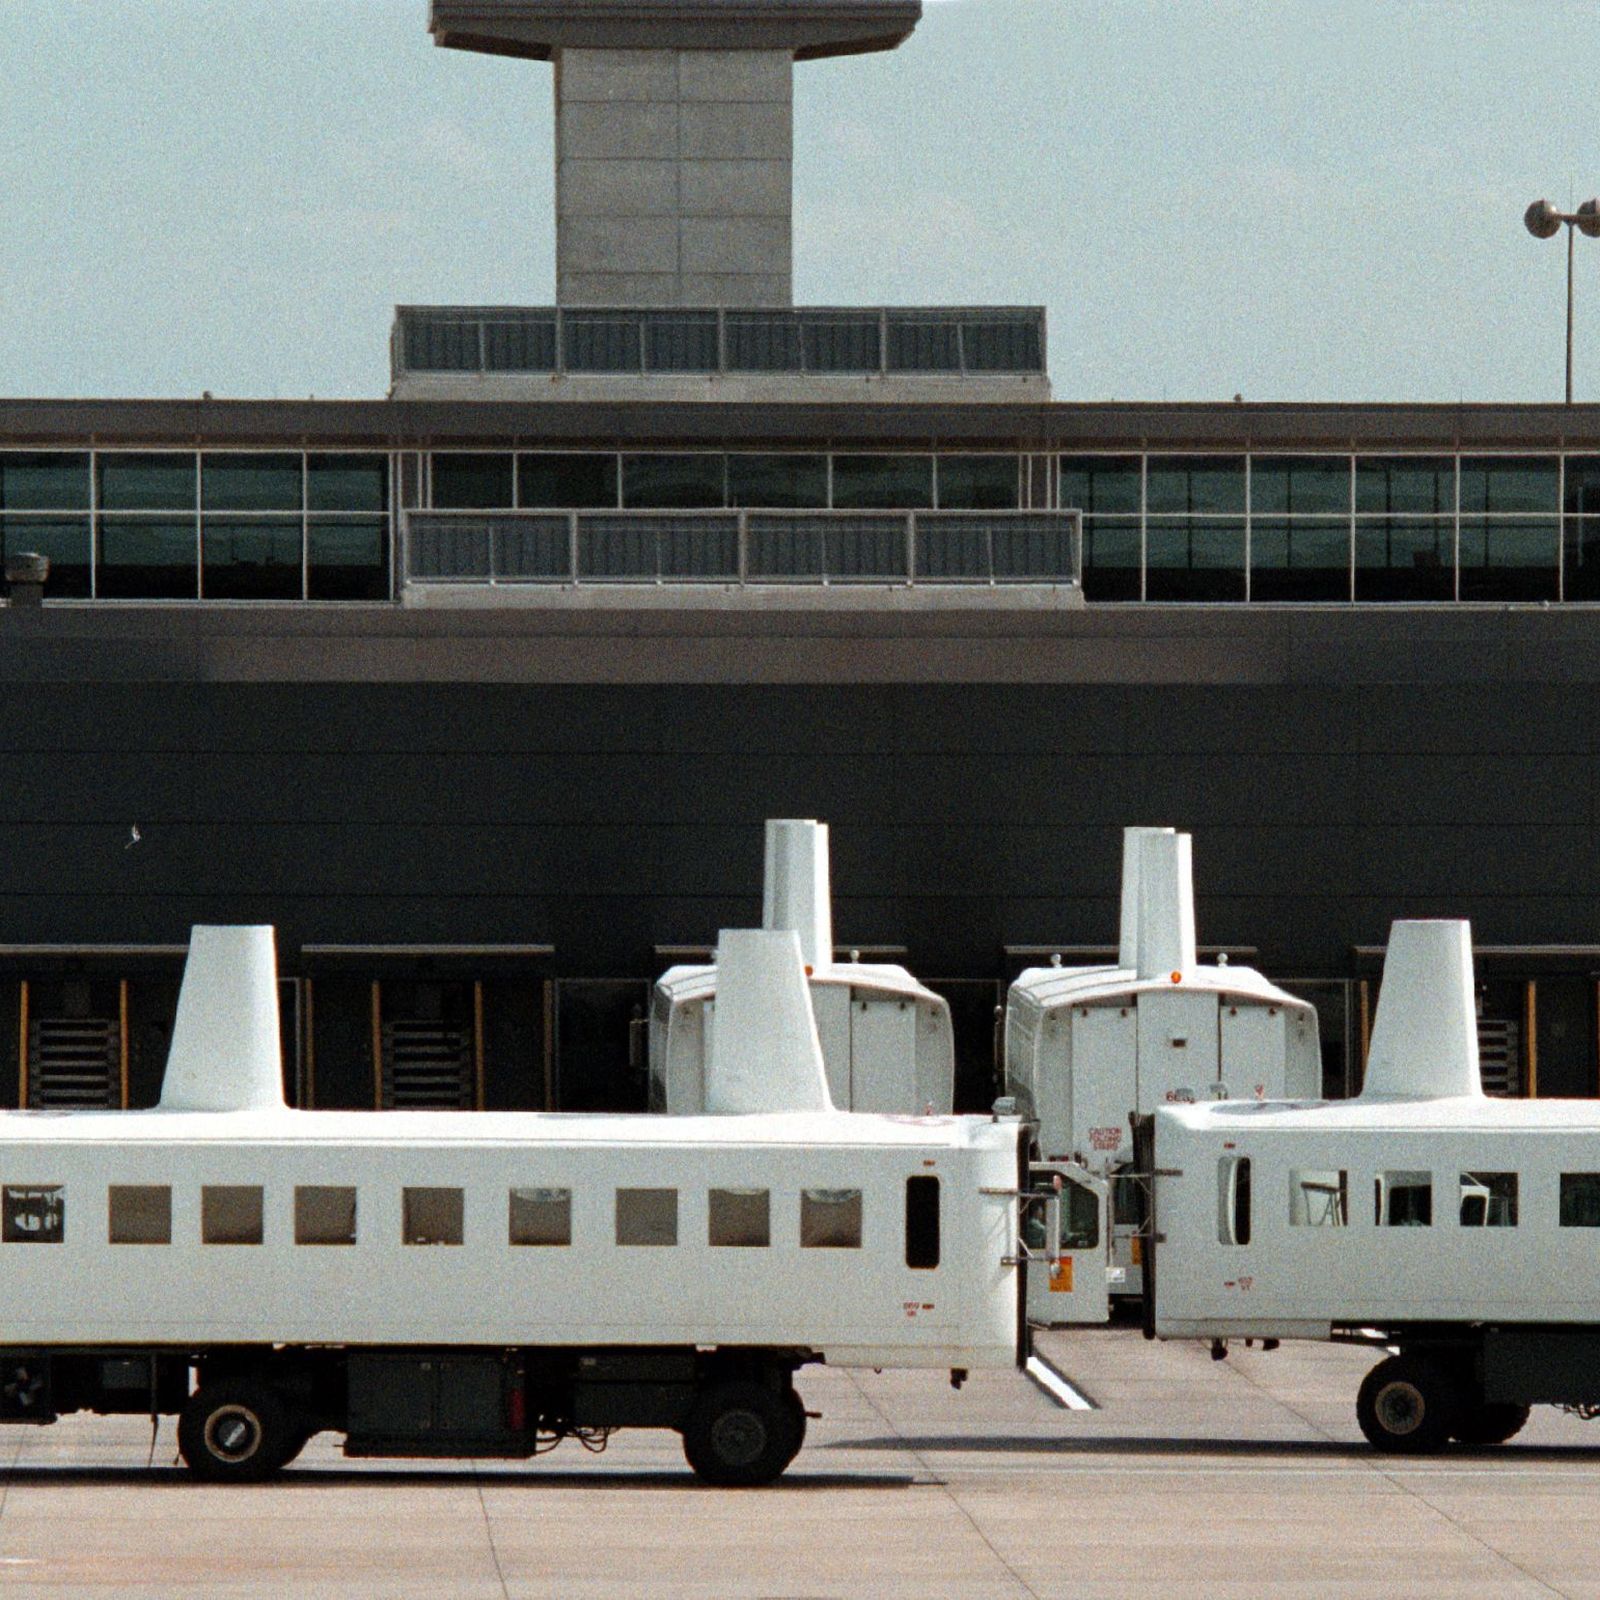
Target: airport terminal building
482,691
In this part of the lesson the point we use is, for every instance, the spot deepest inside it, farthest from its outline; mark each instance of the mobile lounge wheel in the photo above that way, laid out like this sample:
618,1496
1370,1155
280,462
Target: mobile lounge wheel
740,1434
1408,1405
235,1431
1490,1422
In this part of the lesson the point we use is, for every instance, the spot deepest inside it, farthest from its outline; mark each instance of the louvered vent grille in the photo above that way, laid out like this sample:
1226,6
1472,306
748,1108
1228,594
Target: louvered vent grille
1499,1056
74,1061
426,1066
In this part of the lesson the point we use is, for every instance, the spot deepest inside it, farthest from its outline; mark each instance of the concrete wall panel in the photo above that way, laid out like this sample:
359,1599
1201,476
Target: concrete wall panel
617,188
641,131
757,245
621,244
715,131
736,75
737,188
613,75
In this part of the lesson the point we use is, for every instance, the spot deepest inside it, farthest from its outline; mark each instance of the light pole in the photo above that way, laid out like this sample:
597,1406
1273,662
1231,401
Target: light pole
1543,221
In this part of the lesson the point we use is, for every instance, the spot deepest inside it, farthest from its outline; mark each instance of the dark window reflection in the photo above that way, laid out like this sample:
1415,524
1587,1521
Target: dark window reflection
148,558
546,482
349,560
348,482
1300,484
65,540
1512,558
56,480
664,483
250,483
147,482
1421,485
1583,484
778,481
1201,484
1405,558
1580,578
863,483
1510,483
1299,559
1111,558
471,482
1101,484
250,559
1194,559
978,483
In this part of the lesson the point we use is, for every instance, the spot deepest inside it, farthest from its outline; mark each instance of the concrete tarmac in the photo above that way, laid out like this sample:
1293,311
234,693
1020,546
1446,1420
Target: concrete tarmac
1191,1478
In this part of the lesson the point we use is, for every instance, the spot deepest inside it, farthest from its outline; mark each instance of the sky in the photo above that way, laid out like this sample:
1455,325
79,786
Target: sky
1284,199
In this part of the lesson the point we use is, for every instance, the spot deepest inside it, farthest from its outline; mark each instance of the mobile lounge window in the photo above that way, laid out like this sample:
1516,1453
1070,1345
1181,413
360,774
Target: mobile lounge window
739,1218
1403,1199
1580,1200
647,1216
231,1213
541,1216
33,1214
1488,1199
140,1213
830,1219
324,1215
1233,1200
922,1222
432,1216
1319,1198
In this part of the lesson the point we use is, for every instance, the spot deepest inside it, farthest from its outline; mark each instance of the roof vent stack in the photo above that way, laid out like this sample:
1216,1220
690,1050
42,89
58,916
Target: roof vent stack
767,1055
1166,904
1132,875
1425,1036
226,1054
797,894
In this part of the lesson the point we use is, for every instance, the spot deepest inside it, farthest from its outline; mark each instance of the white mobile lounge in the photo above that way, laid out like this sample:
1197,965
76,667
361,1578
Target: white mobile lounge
1461,1231
428,1283
1087,1047
886,1039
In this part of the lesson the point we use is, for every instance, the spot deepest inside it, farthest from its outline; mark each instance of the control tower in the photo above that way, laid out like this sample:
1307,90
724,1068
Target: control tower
674,133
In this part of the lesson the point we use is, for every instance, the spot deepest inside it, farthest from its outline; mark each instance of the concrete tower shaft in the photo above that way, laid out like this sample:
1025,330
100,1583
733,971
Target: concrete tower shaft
674,133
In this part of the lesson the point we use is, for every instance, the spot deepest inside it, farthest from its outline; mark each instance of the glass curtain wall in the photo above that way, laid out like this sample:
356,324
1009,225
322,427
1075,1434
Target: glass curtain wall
212,525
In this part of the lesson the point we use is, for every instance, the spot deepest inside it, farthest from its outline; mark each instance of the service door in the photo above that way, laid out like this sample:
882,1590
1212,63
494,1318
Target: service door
1072,1288
1255,1044
1103,1061
1177,1046
830,1002
883,1055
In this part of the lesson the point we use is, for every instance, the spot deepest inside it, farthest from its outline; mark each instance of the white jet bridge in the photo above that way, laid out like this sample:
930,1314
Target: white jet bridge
1087,1047
886,1038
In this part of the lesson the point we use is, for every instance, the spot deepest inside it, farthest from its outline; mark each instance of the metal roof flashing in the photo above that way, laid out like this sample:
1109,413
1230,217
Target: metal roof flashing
537,30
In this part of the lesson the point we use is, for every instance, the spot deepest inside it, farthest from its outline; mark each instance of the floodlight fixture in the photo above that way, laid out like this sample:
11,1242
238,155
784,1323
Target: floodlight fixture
1543,221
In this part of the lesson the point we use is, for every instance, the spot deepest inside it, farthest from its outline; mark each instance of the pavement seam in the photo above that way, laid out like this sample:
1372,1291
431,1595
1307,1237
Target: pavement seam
488,1528
1393,1478
943,1484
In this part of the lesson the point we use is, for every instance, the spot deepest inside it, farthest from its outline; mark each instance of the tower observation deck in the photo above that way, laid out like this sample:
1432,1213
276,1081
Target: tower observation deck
674,133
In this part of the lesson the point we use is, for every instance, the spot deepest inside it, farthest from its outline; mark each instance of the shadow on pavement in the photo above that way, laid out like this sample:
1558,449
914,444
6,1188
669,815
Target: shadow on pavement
1321,1449
163,1477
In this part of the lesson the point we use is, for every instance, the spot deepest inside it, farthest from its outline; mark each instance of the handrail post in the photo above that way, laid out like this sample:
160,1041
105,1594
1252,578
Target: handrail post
572,546
913,519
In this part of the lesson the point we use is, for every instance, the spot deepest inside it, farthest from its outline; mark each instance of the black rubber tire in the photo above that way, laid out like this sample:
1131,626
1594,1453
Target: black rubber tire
235,1431
1490,1422
1409,1405
740,1434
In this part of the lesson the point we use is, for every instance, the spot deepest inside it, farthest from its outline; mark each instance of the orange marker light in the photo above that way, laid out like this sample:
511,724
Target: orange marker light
1177,977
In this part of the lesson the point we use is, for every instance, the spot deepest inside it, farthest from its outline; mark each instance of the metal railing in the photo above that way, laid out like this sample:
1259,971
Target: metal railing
742,547
819,341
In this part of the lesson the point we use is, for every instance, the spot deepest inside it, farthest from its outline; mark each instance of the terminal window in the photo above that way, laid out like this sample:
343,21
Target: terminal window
1319,1198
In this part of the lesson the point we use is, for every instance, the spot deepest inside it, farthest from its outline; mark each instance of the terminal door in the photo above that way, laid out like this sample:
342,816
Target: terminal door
1068,1283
